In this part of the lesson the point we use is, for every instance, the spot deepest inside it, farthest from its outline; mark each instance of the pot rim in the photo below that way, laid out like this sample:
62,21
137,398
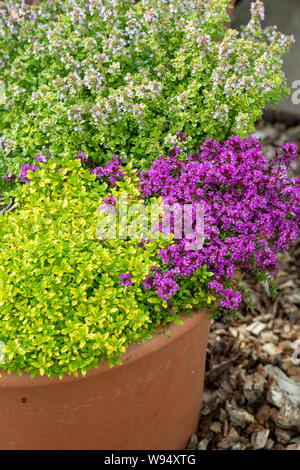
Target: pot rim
134,352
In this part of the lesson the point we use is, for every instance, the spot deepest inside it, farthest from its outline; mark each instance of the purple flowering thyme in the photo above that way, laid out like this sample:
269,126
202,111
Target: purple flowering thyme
251,211
125,280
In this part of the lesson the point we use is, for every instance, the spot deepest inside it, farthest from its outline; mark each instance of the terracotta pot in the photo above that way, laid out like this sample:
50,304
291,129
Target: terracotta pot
152,401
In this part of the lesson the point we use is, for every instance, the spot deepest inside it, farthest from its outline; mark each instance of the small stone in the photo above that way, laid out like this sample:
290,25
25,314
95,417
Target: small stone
261,371
289,415
237,446
273,415
256,327
269,337
225,429
294,132
263,414
288,307
294,298
239,417
284,393
259,384
234,434
287,284
251,428
265,318
282,435
271,349
226,443
278,447
223,416
285,345
293,447
216,427
275,395
249,393
259,439
259,135
233,331
293,371
192,445
269,444
296,345
203,444
269,132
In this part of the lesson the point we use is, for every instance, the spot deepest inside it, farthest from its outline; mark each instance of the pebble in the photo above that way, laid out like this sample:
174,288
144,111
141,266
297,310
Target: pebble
256,327
271,349
240,417
259,439
192,445
203,444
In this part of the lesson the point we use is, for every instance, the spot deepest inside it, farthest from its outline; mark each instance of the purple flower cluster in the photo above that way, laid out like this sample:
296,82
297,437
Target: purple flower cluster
110,200
181,137
110,172
24,171
164,283
23,175
82,156
251,211
125,280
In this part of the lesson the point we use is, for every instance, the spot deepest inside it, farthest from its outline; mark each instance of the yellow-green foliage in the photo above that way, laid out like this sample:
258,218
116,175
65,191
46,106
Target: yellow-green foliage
62,308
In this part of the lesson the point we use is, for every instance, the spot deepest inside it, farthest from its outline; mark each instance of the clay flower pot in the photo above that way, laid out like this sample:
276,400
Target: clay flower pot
152,401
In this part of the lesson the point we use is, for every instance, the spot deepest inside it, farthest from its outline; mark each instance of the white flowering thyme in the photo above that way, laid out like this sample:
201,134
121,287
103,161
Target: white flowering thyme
105,76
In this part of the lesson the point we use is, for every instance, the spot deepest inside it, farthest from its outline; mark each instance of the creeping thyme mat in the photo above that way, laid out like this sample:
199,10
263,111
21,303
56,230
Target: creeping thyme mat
240,409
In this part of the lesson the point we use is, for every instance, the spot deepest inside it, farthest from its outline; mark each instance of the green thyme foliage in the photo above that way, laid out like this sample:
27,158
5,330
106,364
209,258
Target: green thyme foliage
107,77
62,307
